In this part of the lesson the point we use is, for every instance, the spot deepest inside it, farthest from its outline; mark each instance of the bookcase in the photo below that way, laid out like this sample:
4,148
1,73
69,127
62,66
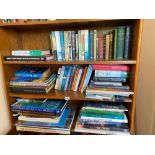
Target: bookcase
35,35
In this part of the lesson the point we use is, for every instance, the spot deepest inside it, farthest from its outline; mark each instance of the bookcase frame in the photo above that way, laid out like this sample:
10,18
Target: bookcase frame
35,35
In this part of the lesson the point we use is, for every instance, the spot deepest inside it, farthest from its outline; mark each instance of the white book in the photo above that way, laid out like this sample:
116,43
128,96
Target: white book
58,45
58,78
61,77
108,83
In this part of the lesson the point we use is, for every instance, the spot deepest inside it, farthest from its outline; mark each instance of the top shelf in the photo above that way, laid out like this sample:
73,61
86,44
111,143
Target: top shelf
66,22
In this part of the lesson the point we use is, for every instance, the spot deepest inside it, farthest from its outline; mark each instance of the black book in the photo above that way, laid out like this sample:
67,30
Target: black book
127,47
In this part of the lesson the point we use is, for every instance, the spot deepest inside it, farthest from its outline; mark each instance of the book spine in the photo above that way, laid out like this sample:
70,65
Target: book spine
120,42
54,46
66,45
111,67
78,80
111,45
27,53
77,46
91,44
86,42
87,78
115,43
68,76
82,44
100,44
58,45
104,47
127,48
62,44
24,58
95,35
107,47
70,45
110,74
73,38
97,48
75,79
64,78
61,77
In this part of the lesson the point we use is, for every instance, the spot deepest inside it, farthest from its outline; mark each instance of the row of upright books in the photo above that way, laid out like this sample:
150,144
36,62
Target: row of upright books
108,44
55,116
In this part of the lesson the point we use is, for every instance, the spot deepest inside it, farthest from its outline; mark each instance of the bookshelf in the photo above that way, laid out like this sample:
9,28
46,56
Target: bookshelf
35,35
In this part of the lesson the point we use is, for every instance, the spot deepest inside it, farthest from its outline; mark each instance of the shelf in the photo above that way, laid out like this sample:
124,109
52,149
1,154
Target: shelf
71,62
65,22
55,94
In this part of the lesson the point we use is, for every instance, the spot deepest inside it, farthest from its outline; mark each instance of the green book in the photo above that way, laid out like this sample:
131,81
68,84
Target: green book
115,43
120,42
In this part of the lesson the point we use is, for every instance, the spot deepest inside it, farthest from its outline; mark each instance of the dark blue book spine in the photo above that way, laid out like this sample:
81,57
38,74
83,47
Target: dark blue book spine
127,48
62,44
91,44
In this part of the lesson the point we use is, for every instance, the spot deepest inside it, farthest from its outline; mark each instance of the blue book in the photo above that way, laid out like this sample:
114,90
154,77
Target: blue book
60,124
53,107
62,44
64,78
117,74
32,72
87,78
68,76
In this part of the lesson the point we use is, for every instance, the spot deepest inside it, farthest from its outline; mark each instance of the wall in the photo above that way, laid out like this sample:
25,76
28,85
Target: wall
4,116
145,113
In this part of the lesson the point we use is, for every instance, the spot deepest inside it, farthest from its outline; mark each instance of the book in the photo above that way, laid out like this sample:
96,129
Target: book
100,48
70,45
30,52
115,44
86,45
58,45
78,80
64,78
77,46
107,47
95,53
48,106
54,47
33,72
111,67
82,44
120,42
66,45
28,58
111,91
73,42
109,79
62,44
127,46
106,73
111,46
68,76
91,44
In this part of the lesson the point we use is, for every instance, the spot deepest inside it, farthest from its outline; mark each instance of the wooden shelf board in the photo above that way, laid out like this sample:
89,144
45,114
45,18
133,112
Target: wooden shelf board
71,62
55,94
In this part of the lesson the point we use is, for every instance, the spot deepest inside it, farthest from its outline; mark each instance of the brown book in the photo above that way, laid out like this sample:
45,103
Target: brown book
107,47
100,48
111,46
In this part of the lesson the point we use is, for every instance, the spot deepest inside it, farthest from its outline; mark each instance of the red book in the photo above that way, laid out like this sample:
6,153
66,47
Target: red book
100,48
111,67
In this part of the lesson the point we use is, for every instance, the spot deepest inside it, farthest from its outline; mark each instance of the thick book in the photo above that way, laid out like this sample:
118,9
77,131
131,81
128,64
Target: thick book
30,53
127,46
106,73
111,67
111,91
29,58
48,106
120,42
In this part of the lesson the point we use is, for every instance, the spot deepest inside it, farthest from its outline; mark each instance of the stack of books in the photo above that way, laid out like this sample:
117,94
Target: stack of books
109,83
102,118
49,116
29,55
75,78
33,80
107,44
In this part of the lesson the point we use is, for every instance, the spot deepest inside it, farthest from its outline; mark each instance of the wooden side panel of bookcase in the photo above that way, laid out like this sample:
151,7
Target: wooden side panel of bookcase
137,34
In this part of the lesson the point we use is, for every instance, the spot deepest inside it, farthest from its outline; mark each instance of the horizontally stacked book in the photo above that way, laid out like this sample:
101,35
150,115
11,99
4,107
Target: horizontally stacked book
29,55
37,80
49,116
102,118
75,78
102,44
109,83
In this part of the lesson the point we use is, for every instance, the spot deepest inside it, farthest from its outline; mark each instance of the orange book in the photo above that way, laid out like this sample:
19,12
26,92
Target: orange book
82,79
75,78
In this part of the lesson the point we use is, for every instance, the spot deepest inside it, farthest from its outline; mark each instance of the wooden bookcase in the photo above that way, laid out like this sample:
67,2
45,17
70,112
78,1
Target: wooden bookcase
35,35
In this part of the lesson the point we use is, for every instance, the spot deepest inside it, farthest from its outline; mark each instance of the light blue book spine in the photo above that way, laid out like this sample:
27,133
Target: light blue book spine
119,74
58,45
62,44
64,78
86,42
67,80
87,78
61,76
